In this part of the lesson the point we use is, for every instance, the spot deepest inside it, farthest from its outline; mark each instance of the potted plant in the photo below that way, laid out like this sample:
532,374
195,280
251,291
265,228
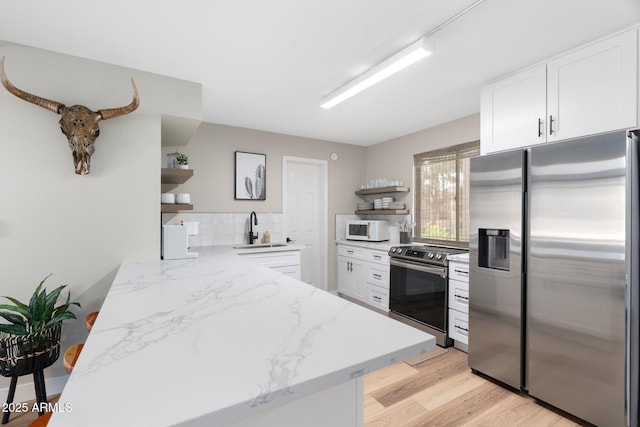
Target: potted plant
183,161
31,340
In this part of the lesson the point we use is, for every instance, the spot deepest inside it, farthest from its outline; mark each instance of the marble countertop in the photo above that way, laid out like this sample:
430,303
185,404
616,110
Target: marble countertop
459,257
217,339
384,246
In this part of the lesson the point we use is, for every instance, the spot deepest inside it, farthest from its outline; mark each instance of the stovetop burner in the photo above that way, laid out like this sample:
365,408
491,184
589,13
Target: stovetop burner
426,254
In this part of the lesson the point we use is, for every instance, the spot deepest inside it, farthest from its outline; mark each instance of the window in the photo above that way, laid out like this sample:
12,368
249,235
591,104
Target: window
442,194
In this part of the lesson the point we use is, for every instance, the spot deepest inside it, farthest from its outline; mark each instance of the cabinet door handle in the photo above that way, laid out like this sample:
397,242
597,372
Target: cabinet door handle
461,328
377,257
349,267
461,297
550,125
377,298
540,128
461,271
349,251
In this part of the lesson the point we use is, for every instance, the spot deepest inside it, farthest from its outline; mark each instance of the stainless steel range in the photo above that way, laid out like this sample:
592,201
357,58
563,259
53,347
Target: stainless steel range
419,288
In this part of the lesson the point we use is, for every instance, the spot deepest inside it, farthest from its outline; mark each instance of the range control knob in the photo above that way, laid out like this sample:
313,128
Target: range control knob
439,257
393,250
431,255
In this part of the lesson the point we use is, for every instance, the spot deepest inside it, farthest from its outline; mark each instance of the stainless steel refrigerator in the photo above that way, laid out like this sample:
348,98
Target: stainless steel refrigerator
553,281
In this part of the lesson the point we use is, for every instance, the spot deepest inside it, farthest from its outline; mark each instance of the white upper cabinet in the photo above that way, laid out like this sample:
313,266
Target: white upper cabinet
593,89
589,90
513,111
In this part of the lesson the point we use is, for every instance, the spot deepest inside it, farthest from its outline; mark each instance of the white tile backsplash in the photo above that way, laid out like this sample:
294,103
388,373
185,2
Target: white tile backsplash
233,228
230,228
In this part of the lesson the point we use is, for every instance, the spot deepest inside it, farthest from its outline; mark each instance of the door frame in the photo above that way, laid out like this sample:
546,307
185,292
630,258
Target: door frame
324,209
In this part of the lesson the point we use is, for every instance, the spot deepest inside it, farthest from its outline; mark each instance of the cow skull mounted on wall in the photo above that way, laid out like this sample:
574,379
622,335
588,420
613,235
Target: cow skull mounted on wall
78,123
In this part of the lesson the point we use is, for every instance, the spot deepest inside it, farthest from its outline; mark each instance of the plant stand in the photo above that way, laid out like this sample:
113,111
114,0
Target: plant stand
29,354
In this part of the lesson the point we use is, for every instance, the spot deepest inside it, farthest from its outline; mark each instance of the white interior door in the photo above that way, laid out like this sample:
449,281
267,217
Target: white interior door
304,203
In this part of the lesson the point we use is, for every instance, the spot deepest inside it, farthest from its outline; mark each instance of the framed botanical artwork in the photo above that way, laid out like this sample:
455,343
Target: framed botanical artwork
251,176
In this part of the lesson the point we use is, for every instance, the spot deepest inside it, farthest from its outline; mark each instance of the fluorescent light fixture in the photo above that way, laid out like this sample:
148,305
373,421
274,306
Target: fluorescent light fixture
390,66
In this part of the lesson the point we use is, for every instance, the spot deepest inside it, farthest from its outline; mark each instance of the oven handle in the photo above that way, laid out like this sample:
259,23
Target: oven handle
440,271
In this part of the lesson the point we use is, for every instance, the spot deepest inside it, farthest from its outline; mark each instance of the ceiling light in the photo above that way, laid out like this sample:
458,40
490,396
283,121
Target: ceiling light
390,66
397,62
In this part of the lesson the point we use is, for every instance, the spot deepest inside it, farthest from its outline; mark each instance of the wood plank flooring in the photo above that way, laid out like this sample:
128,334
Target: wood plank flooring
442,391
438,389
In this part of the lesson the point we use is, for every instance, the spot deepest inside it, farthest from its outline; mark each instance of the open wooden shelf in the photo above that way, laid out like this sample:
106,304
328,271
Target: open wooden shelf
382,190
175,207
383,212
175,176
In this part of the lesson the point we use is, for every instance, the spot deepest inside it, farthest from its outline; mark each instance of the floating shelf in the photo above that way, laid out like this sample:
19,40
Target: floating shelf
384,212
382,190
175,207
175,176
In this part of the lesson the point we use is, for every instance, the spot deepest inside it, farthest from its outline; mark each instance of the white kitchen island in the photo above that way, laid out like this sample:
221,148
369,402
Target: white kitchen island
221,341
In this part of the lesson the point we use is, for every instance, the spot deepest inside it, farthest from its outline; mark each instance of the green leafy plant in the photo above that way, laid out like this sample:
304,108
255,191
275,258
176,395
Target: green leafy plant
182,159
40,314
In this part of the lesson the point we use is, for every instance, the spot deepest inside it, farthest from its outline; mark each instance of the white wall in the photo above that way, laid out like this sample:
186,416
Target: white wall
80,228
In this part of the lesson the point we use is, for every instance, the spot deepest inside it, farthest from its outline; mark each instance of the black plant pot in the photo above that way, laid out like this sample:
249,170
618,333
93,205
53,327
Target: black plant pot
26,354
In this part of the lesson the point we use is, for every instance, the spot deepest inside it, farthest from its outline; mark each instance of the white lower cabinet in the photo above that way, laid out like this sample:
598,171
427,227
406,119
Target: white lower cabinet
459,326
351,277
286,262
378,297
363,275
459,304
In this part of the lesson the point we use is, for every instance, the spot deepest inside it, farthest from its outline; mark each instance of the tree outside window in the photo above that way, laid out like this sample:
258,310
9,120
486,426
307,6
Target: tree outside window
442,194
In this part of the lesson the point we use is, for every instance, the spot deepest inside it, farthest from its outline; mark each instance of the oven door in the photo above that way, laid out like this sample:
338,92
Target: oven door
419,291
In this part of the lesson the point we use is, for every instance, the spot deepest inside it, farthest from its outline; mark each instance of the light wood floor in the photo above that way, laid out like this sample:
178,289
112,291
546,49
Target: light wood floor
437,389
442,391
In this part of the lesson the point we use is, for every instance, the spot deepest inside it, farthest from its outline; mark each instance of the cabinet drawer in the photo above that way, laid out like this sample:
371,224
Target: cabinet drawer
378,276
378,297
459,326
459,271
352,252
378,257
459,295
275,259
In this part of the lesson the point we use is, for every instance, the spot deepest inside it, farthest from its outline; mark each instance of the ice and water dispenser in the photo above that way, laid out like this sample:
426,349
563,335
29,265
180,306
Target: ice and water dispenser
493,248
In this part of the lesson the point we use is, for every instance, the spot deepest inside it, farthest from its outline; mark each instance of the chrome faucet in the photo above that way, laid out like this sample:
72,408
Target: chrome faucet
252,236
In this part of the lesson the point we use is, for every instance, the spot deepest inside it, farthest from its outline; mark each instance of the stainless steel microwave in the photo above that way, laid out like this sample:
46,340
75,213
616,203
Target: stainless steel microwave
371,231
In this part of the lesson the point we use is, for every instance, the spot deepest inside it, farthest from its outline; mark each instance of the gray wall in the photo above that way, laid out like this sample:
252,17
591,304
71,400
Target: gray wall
80,228
393,159
211,156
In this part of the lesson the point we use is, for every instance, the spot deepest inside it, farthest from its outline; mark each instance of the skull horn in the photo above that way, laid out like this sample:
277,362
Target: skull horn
121,111
42,102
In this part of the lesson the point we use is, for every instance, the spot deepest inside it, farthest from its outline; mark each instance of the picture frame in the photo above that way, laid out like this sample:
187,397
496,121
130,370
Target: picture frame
250,176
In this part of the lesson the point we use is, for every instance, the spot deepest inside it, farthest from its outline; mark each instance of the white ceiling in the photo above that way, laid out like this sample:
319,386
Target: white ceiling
267,64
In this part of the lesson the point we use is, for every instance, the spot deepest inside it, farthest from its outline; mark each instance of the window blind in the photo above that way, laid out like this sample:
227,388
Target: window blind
442,194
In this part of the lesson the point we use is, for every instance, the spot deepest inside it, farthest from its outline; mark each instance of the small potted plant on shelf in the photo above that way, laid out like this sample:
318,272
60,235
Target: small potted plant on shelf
183,161
31,340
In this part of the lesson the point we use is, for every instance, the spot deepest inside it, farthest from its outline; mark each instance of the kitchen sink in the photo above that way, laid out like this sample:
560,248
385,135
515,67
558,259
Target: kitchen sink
261,245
